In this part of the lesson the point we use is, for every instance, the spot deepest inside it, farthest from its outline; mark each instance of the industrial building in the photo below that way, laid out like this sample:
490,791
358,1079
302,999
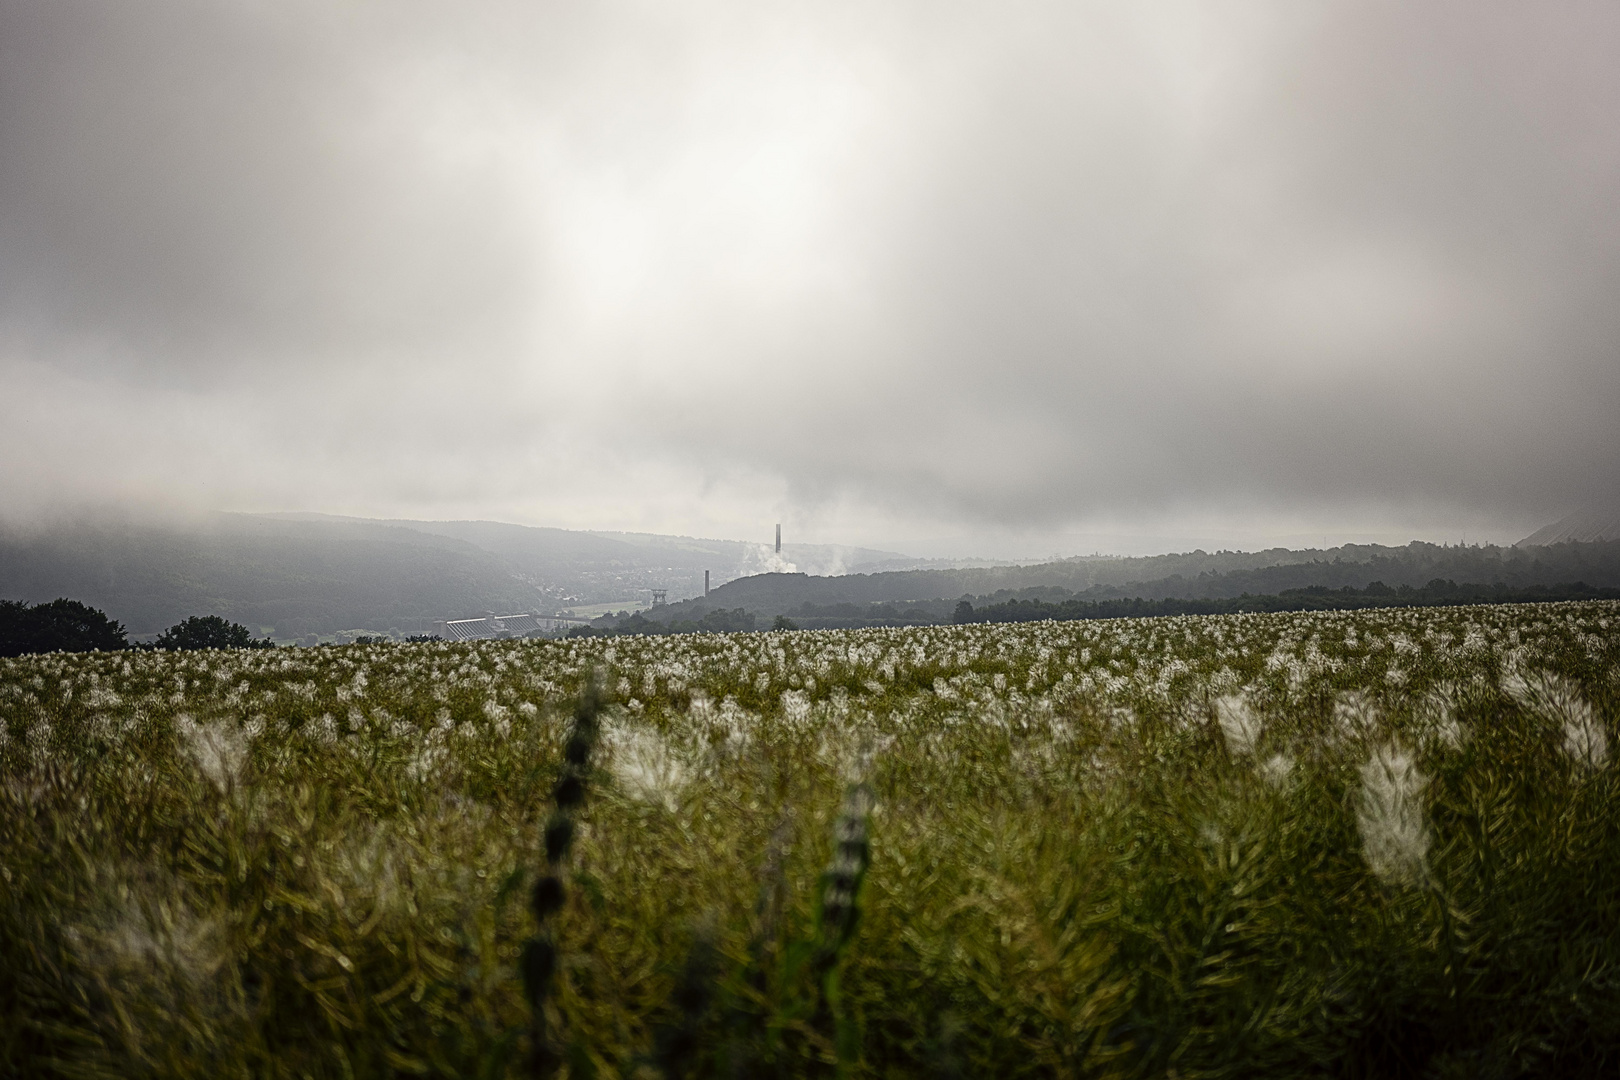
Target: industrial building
492,626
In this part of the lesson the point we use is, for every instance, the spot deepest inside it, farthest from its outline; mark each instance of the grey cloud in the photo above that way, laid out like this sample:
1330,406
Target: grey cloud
946,267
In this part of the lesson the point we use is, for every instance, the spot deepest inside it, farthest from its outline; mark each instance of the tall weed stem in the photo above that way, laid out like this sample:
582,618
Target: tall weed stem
836,920
540,955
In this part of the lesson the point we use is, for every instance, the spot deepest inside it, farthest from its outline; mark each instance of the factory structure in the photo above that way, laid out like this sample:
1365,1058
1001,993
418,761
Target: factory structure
494,627
533,624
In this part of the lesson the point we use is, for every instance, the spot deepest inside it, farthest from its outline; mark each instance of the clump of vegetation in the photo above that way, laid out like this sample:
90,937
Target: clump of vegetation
1375,843
211,632
57,626
69,626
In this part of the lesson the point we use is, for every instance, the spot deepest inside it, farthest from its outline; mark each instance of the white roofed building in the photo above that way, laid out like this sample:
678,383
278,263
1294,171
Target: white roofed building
492,626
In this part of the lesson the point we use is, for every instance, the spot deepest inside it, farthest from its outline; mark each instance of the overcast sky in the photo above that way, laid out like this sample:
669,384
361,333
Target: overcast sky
1006,278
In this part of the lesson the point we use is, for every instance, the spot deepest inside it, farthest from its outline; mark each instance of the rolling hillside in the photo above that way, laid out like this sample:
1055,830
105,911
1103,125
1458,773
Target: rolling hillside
293,576
1197,575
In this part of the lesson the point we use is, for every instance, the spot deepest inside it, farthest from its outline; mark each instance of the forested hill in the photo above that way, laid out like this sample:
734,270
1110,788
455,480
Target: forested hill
1197,575
292,575
289,578
295,576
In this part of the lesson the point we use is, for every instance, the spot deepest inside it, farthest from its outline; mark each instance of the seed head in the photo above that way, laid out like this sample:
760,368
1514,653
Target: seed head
1276,770
1394,836
559,834
548,896
569,792
578,749
1239,724
539,960
1558,700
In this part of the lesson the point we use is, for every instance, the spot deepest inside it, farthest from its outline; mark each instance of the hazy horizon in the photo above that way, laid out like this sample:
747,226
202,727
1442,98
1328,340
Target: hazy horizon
949,280
1133,546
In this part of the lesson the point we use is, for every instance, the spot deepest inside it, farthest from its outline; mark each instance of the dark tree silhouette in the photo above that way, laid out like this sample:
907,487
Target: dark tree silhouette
59,626
209,632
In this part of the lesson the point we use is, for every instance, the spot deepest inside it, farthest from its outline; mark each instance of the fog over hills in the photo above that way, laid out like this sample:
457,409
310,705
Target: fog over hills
293,577
296,575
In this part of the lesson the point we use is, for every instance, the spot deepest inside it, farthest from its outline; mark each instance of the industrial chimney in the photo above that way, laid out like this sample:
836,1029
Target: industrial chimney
779,538
705,583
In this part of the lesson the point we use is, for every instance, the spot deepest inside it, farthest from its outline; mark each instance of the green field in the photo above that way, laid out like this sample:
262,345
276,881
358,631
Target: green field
1381,843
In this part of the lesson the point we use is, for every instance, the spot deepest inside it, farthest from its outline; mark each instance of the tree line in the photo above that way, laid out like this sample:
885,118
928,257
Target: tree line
70,626
1439,592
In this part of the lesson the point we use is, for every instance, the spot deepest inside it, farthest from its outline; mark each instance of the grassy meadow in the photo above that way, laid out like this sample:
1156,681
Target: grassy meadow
1369,844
